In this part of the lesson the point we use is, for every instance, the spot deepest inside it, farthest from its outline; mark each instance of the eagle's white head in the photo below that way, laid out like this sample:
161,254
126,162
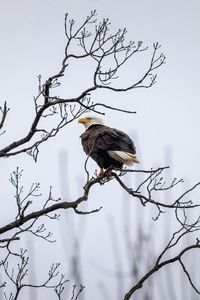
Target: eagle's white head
88,121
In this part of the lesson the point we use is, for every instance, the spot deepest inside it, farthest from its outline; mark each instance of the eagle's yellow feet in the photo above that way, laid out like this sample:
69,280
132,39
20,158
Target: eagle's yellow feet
106,173
101,173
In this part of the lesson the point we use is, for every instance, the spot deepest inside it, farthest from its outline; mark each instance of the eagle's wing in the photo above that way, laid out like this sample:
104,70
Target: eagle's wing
109,139
118,145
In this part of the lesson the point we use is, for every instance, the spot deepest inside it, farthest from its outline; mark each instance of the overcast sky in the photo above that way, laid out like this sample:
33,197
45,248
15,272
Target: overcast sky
167,119
32,41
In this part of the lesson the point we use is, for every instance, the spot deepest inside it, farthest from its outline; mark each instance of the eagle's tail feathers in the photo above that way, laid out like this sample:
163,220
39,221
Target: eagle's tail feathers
124,157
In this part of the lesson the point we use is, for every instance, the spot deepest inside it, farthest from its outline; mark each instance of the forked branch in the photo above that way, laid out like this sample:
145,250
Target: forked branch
153,185
157,267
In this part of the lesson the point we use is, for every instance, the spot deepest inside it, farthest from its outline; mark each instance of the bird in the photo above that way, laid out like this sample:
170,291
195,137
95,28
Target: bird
109,147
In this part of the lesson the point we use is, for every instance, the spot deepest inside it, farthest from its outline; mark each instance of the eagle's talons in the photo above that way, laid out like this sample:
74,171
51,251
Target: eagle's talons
108,172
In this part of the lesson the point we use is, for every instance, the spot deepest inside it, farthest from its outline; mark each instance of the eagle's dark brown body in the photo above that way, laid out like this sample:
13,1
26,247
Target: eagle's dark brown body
98,140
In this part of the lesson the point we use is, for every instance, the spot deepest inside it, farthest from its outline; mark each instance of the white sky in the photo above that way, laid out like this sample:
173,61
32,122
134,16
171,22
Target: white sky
32,43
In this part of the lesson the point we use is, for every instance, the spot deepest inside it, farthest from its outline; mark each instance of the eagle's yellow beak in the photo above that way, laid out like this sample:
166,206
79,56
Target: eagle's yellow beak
83,120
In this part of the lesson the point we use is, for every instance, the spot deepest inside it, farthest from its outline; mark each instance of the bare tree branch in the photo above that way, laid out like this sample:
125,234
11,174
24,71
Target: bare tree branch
4,110
144,199
157,267
94,42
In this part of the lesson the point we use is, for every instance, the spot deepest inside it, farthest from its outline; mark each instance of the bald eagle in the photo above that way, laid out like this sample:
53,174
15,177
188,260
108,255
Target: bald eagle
109,147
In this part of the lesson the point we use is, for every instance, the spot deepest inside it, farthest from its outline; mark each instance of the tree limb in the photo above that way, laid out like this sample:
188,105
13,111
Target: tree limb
156,268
